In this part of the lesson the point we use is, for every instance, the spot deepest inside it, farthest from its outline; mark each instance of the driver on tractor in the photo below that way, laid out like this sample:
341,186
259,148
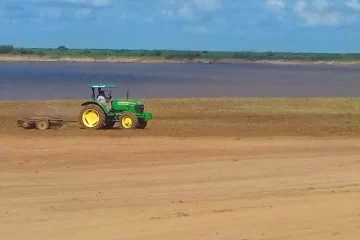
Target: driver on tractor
104,100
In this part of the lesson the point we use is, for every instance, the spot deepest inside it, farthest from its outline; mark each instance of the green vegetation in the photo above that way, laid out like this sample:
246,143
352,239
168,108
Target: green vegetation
63,51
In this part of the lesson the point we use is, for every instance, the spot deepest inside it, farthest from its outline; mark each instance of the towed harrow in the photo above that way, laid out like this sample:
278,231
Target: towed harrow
41,122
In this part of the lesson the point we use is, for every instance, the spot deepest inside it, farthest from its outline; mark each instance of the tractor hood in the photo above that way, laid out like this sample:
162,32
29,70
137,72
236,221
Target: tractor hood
127,102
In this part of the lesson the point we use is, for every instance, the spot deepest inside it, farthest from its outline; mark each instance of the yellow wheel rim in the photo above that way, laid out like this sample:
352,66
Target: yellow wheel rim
127,122
90,118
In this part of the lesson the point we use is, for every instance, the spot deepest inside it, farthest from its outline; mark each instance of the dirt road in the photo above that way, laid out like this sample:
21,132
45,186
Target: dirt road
168,188
204,169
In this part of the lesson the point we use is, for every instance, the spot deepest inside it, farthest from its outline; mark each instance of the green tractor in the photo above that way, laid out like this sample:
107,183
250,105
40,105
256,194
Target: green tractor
102,112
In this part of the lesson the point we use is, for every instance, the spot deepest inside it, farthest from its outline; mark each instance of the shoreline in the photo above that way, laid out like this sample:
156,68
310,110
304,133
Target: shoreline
9,58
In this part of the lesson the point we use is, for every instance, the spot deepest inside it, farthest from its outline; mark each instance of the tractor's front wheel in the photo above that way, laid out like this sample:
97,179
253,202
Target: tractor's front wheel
92,117
142,124
128,120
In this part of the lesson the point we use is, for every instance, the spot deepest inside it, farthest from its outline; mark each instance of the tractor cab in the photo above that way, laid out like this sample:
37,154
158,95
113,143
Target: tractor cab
100,92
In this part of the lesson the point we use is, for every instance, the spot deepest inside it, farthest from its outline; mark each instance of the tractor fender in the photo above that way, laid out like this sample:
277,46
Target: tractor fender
96,103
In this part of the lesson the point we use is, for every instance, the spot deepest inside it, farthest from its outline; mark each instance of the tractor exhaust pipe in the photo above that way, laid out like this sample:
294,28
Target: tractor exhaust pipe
127,94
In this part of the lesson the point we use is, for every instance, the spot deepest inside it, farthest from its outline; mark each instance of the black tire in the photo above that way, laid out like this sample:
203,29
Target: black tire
134,120
109,124
102,117
42,124
142,124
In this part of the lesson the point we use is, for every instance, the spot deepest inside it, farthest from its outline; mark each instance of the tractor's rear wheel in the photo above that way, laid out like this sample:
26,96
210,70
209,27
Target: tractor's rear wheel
92,117
128,120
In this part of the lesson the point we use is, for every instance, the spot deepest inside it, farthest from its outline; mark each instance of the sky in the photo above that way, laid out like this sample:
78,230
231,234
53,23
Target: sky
219,25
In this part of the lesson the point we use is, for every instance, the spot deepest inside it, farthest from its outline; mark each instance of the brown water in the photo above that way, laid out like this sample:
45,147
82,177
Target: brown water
57,80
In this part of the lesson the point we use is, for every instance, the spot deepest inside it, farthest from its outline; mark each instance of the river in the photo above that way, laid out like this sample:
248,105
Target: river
68,80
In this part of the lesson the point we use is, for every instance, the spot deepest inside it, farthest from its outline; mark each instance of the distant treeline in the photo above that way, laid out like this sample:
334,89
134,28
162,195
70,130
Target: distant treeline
62,51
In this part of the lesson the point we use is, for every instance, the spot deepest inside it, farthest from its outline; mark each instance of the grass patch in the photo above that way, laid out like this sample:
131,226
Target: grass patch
164,54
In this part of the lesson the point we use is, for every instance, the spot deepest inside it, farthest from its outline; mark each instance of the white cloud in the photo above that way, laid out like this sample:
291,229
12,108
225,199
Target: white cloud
208,4
95,3
354,4
186,12
189,9
167,13
51,13
57,8
197,16
185,7
320,5
83,12
276,3
88,3
101,3
317,13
